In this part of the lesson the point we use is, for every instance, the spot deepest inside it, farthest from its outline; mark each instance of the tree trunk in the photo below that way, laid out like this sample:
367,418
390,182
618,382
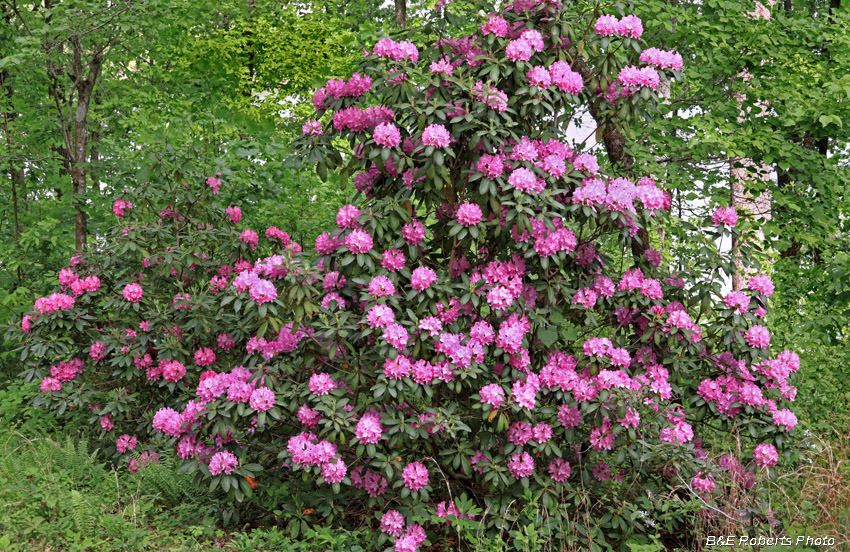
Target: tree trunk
615,147
85,78
94,155
401,13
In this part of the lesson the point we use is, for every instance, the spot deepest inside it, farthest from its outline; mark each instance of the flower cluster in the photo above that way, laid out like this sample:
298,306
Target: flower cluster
628,26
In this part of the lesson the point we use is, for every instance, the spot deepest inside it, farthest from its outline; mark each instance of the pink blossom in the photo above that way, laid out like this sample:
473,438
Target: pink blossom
437,136
397,368
133,293
519,50
393,260
492,394
380,316
223,462
334,472
49,384
662,58
607,25
490,166
703,484
737,300
369,430
262,399
321,384
559,470
631,76
495,25
538,76
204,357
97,351
442,67
762,284
415,476
347,215
422,278
413,232
565,78
758,337
534,39
587,162
250,238
396,335
125,443
311,128
630,26
521,465
725,216
468,214
359,241
766,455
119,206
214,183
397,51
392,523
106,423
168,421
387,135
785,418
173,371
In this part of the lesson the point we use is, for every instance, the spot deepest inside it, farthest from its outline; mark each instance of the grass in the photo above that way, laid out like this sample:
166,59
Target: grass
57,494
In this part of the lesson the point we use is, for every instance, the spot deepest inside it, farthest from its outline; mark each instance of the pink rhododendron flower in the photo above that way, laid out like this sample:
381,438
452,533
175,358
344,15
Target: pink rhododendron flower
368,430
250,238
725,216
321,384
785,418
519,50
422,278
125,443
234,214
703,484
521,465
437,136
758,337
173,371
204,357
393,260
559,470
495,25
387,135
415,476
359,241
223,462
766,455
119,206
468,214
392,523
762,284
262,399
539,76
311,128
133,293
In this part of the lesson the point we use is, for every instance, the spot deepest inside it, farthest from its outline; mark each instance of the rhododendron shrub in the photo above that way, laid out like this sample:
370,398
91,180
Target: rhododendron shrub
474,328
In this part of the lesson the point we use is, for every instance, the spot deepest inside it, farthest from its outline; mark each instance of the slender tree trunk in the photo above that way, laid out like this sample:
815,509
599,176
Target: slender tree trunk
85,77
401,13
615,147
94,155
16,171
